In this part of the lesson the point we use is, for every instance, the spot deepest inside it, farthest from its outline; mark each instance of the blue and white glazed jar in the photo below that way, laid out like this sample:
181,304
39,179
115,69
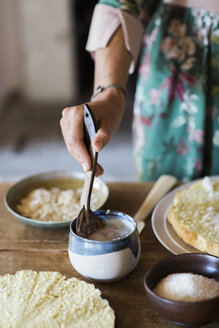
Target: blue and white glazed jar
105,261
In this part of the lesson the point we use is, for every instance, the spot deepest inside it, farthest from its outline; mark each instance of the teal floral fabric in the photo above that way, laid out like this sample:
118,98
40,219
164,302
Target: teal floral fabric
176,108
130,6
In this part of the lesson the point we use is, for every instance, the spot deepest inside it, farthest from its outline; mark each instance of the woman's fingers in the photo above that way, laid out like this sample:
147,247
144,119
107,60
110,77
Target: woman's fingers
72,130
108,115
73,133
99,170
101,138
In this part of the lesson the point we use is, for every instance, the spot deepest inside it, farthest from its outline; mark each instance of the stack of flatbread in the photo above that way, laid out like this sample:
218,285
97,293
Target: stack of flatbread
32,299
194,215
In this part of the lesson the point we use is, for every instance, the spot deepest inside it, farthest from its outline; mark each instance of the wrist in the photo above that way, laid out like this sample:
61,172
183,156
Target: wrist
114,91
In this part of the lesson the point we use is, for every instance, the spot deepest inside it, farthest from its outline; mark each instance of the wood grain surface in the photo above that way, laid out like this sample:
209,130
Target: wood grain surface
25,247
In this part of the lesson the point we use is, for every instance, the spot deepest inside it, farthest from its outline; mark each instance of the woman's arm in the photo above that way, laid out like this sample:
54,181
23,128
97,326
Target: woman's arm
111,66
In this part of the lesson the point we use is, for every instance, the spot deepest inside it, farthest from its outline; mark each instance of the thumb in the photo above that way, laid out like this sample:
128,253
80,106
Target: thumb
101,139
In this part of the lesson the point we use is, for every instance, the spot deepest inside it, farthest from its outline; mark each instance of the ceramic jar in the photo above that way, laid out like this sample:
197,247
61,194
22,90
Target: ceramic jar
105,261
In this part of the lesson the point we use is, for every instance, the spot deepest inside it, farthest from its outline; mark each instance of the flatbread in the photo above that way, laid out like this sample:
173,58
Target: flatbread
194,216
49,300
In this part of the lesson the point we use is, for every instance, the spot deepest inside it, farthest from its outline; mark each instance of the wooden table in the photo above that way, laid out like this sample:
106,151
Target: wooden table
25,247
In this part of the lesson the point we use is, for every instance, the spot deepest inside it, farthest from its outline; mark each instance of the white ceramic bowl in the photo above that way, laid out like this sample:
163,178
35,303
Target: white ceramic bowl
105,261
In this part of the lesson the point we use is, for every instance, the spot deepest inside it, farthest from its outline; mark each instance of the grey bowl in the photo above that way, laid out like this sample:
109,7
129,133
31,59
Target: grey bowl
60,179
184,313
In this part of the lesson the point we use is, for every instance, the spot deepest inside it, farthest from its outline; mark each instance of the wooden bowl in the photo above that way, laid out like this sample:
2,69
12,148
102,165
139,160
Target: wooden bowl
184,313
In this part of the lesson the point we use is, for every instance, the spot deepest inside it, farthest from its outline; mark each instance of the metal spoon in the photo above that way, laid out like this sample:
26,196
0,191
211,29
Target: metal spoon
87,222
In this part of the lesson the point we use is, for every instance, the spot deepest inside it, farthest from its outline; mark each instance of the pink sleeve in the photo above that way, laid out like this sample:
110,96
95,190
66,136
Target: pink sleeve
105,22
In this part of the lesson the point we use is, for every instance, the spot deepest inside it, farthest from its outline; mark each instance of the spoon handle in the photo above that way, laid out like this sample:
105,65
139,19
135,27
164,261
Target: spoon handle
160,188
89,132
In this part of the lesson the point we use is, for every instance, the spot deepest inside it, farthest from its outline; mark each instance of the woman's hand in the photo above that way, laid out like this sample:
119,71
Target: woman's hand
111,67
107,108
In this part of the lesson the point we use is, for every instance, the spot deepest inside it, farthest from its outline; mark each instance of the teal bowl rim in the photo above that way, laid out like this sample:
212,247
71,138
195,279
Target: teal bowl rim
99,212
84,246
60,174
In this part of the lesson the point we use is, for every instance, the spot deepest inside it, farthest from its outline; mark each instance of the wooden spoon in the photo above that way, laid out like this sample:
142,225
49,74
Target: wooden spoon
160,188
87,222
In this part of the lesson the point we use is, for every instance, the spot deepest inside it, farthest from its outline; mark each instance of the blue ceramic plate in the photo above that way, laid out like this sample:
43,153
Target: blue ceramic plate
59,179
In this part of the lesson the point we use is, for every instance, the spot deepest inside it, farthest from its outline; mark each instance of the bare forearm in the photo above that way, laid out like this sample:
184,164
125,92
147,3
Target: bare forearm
112,63
111,67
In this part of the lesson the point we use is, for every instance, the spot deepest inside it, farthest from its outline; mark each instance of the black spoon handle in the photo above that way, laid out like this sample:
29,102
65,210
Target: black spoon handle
90,129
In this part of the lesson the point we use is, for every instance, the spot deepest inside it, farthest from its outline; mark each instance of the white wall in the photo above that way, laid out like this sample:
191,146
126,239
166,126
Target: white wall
48,65
9,59
36,50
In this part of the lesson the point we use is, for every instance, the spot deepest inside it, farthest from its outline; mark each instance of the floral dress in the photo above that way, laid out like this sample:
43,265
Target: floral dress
176,107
